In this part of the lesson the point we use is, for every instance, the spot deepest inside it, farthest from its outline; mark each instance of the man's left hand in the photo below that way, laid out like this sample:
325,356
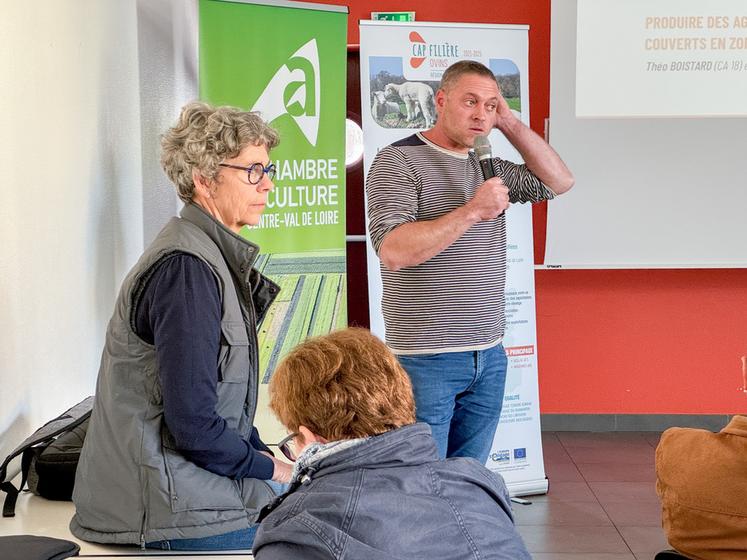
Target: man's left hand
504,116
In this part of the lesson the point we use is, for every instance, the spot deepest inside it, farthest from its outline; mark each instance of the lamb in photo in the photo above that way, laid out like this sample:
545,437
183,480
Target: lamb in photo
418,98
382,107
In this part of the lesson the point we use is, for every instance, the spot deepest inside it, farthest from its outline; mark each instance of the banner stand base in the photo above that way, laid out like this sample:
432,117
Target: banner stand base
528,487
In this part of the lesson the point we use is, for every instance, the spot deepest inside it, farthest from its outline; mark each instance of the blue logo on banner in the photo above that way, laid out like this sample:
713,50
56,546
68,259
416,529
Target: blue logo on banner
520,453
501,456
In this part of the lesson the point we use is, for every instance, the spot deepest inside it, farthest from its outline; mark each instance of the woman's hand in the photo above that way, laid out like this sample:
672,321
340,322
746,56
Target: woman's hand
282,471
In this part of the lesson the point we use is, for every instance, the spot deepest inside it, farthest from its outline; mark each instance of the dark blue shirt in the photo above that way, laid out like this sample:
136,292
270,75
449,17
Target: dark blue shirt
180,313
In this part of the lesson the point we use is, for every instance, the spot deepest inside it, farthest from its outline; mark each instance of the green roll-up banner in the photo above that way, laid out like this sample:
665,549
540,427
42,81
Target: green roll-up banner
288,61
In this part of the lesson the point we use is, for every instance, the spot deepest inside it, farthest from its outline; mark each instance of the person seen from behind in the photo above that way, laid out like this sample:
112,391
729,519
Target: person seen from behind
367,481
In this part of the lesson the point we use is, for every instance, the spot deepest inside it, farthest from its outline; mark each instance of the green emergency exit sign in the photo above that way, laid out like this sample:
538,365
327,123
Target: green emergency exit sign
393,16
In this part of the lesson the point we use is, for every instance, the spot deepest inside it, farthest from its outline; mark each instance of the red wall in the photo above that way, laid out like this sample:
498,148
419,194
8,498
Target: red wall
625,341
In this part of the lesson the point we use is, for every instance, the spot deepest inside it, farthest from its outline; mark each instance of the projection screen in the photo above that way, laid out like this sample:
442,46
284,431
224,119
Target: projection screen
647,107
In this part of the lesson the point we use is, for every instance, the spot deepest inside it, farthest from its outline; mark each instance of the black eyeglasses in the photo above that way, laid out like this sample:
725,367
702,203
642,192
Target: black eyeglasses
255,171
285,446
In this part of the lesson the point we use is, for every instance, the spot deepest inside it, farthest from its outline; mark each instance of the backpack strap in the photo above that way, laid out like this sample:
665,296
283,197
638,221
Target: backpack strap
9,505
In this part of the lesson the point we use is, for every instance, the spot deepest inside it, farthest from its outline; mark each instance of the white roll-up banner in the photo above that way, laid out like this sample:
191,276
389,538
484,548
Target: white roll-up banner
398,52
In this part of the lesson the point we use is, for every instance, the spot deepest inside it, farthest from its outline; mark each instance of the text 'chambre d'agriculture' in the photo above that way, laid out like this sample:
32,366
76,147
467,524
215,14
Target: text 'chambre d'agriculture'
306,193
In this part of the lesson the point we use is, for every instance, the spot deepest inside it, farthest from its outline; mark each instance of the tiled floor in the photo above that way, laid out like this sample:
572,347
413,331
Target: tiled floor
602,503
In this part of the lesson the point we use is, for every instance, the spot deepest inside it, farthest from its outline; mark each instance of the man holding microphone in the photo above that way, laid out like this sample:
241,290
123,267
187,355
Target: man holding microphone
437,223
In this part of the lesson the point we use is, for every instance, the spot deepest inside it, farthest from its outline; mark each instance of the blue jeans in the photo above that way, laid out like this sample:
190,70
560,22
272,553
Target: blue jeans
243,539
460,395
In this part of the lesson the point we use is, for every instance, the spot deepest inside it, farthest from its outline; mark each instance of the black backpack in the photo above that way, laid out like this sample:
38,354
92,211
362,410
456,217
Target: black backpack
49,457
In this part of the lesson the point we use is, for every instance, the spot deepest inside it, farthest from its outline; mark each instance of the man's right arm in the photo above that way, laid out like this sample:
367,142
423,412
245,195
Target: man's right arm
398,236
414,243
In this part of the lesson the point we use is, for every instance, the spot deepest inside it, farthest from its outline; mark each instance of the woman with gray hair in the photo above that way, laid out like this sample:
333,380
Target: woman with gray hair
171,458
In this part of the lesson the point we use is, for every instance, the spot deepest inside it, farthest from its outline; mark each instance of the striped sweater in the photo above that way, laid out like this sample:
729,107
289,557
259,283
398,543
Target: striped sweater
454,301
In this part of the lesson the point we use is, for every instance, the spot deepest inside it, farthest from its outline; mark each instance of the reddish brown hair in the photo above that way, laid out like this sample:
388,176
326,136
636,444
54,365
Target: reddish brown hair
343,385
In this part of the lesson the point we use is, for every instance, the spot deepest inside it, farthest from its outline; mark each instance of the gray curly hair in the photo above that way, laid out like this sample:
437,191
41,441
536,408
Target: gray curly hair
205,136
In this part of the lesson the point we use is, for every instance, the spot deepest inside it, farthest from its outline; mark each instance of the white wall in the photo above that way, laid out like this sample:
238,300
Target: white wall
167,46
71,211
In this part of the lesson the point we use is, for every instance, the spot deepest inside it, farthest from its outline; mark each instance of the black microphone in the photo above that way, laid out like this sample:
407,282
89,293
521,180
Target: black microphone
485,155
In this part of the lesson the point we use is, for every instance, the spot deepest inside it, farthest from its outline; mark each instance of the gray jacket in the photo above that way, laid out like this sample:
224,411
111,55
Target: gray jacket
132,485
390,497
